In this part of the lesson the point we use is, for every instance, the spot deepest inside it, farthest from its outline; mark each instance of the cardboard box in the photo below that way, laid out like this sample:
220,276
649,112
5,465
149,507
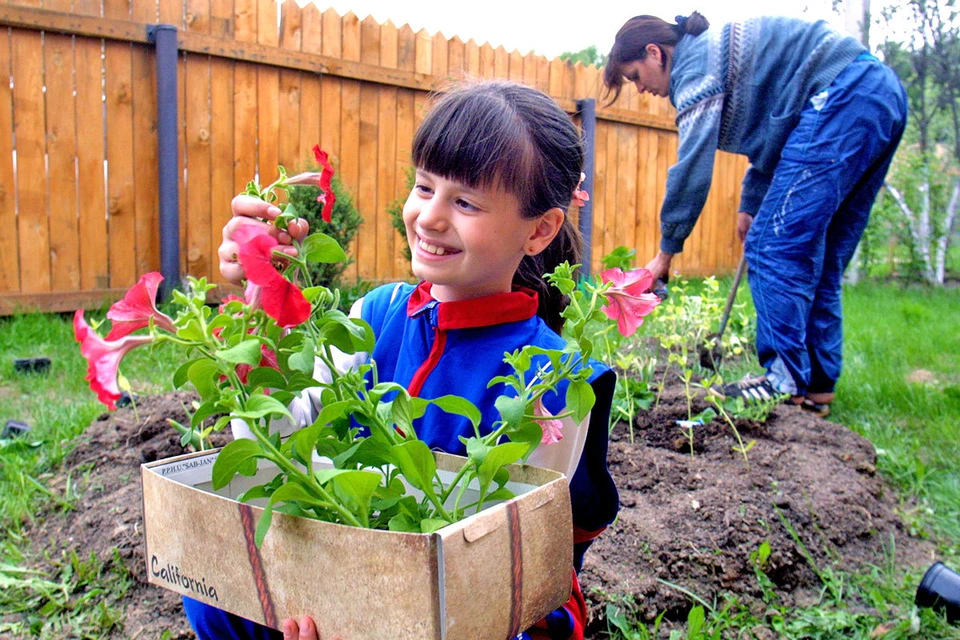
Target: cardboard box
491,575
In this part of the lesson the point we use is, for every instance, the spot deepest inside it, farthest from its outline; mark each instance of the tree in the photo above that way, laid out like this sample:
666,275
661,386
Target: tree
590,55
927,193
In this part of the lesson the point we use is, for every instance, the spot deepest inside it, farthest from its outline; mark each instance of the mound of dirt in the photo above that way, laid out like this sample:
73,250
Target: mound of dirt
689,521
808,488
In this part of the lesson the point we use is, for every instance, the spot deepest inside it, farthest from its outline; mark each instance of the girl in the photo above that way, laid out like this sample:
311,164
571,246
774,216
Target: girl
819,118
496,168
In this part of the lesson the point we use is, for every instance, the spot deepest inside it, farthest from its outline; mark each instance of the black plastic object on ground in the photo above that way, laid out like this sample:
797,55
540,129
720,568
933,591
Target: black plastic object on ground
14,428
940,589
31,365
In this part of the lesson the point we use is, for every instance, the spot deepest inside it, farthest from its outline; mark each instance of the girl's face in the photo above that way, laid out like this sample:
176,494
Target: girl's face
469,242
648,74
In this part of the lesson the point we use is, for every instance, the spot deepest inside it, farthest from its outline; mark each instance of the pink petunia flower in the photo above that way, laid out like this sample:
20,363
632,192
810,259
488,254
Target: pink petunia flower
137,307
280,298
580,196
552,427
103,358
322,180
629,300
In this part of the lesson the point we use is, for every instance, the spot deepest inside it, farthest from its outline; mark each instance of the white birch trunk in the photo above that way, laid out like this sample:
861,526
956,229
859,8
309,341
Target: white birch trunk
920,241
943,242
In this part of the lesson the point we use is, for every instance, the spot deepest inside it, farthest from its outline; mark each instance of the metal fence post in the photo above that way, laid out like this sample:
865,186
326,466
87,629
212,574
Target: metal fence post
164,37
588,122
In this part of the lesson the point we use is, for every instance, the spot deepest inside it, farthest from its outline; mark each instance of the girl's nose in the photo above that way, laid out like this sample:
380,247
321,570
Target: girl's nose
433,214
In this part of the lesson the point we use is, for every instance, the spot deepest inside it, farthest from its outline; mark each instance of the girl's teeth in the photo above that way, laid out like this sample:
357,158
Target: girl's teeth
429,248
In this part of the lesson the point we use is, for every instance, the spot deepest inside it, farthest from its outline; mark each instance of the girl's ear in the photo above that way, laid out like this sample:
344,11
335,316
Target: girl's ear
547,228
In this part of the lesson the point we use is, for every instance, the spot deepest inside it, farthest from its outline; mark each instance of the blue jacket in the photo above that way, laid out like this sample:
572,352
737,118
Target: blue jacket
741,89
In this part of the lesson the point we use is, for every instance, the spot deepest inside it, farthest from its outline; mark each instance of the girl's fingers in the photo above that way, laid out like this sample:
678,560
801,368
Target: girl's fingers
252,207
298,228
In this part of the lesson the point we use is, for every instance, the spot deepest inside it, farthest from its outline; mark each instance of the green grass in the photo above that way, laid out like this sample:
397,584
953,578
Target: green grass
78,597
901,389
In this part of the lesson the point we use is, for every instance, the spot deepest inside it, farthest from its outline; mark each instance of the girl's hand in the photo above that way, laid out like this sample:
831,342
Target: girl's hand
250,210
304,629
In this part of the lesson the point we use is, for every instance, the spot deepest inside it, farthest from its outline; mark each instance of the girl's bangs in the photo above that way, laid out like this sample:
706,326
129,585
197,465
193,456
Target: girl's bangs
479,142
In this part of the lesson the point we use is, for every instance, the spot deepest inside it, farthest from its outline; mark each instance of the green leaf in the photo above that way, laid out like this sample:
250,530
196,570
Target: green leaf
429,525
181,375
332,411
303,441
234,458
476,450
303,360
459,406
363,338
207,409
261,406
319,247
204,375
405,523
416,463
246,352
355,490
266,378
263,525
497,458
511,409
580,399
292,491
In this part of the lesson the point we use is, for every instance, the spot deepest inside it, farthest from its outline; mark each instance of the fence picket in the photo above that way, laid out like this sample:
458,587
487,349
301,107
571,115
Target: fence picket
350,127
32,224
9,246
61,156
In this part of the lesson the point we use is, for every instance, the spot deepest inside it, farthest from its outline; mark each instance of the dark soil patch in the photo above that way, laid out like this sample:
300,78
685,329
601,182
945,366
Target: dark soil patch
694,521
689,521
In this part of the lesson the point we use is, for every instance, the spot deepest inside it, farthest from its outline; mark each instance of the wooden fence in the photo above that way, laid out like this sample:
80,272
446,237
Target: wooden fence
78,143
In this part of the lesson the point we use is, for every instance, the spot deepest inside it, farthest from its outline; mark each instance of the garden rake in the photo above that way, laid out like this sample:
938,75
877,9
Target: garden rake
711,351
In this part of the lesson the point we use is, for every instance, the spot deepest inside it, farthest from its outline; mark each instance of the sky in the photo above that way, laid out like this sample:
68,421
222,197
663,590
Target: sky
550,28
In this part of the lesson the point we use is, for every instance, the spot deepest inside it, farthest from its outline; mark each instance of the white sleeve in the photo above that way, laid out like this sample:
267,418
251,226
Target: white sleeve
307,405
563,456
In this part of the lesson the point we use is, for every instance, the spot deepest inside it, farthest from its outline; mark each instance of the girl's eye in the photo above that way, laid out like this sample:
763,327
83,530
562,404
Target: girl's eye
422,189
466,206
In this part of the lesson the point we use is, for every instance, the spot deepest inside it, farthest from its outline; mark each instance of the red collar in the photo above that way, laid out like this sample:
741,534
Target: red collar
499,308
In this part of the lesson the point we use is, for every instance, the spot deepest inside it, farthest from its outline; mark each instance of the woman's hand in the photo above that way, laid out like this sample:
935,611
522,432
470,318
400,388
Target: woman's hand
303,629
250,210
660,266
744,222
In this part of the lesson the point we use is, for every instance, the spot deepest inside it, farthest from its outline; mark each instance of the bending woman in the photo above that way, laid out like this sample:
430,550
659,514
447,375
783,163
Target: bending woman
819,119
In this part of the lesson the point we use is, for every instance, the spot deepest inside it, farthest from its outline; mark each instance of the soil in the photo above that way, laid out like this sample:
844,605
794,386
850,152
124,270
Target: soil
687,522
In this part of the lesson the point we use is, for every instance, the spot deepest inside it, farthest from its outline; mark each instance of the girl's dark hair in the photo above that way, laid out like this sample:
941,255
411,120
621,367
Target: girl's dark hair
632,40
516,138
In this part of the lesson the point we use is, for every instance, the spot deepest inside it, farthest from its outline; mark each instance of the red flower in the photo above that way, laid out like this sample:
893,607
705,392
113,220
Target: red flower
328,197
103,358
552,428
137,307
280,298
629,302
322,180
